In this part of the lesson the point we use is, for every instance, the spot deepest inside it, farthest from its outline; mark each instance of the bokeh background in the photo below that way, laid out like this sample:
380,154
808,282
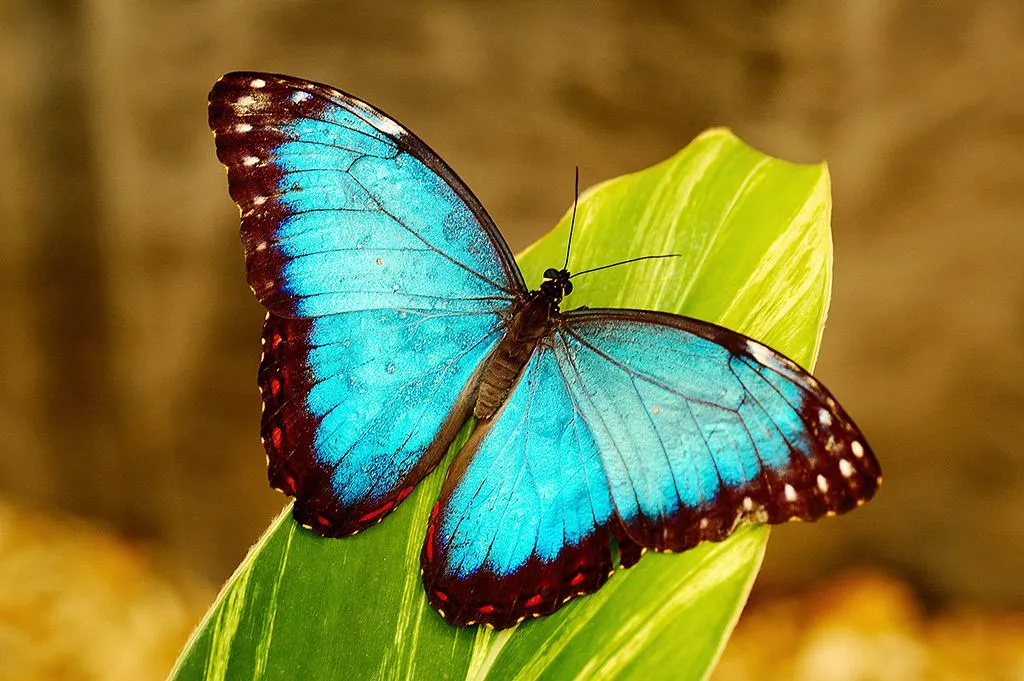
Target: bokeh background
132,477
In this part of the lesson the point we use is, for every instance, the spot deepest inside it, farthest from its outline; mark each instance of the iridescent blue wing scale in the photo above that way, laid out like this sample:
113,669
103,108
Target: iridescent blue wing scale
665,431
386,284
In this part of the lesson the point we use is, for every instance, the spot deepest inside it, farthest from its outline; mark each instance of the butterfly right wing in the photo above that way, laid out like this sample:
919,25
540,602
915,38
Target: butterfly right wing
525,517
656,430
386,282
702,429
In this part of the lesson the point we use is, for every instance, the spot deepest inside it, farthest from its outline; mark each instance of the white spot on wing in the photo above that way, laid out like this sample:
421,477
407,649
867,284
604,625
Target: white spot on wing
857,449
245,102
790,493
824,417
748,504
361,104
761,353
243,127
250,161
299,96
846,468
259,200
822,483
258,83
389,127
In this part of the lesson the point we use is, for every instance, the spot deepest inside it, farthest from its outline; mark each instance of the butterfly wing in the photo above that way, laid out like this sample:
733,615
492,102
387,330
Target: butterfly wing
701,429
386,284
343,208
658,430
523,518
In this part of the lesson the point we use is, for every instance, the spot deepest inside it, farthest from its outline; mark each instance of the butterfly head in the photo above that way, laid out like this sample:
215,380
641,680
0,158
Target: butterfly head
556,285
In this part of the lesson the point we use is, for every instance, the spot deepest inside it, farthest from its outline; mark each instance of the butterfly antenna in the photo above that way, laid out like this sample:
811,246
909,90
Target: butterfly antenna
624,262
572,223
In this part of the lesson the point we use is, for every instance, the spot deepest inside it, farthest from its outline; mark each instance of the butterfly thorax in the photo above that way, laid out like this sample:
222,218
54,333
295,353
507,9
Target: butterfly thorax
529,323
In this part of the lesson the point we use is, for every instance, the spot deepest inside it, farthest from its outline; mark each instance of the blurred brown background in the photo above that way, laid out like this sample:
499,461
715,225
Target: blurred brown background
130,341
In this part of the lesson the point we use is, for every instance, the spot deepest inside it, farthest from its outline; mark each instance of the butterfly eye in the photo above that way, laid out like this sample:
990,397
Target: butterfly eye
550,273
568,287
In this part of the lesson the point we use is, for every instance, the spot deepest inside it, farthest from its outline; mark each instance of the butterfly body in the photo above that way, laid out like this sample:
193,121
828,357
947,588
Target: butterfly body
396,312
531,322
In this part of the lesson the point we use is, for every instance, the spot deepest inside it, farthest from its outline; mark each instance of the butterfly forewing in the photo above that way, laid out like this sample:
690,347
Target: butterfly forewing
702,429
340,204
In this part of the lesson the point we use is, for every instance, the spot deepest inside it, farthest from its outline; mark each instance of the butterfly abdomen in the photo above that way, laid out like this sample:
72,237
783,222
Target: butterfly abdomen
502,370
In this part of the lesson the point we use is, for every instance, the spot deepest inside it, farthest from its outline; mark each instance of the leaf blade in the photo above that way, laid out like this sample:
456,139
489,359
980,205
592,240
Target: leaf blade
756,256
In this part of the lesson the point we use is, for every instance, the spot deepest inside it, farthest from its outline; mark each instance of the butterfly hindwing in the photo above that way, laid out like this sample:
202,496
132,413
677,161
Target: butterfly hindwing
523,519
386,284
350,427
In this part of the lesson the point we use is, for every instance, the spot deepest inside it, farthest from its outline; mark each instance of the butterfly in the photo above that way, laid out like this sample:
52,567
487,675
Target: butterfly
396,312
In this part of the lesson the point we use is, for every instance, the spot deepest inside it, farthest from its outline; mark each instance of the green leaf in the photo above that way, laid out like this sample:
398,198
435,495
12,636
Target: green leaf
753,233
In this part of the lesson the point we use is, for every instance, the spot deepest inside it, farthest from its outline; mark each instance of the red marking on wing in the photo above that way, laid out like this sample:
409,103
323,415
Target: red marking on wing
533,601
486,609
578,579
431,534
377,513
277,437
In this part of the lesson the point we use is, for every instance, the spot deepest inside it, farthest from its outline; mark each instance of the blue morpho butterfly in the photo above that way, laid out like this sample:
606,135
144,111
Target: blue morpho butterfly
396,311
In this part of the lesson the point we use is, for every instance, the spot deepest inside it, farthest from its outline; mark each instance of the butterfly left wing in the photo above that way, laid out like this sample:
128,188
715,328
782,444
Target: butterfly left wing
357,410
656,430
386,282
343,208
